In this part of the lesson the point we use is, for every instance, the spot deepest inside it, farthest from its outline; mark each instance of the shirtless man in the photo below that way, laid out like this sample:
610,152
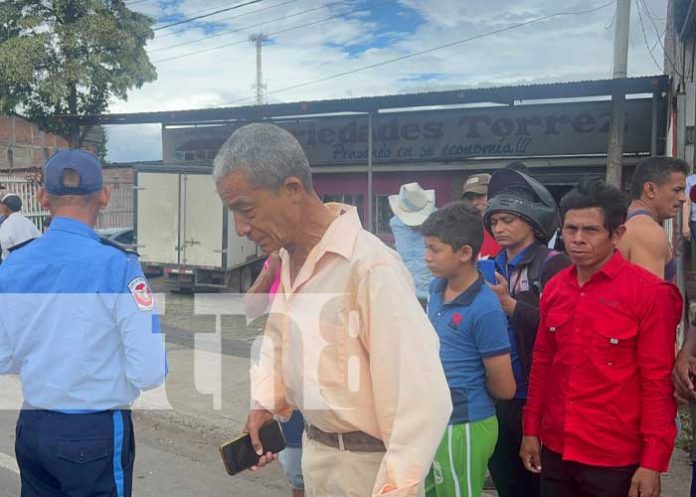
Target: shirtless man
657,194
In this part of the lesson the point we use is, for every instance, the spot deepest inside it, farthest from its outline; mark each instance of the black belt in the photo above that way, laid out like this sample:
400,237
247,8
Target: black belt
353,441
26,406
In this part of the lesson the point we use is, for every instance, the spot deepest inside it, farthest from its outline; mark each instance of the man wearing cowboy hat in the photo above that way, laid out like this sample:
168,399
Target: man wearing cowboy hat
411,207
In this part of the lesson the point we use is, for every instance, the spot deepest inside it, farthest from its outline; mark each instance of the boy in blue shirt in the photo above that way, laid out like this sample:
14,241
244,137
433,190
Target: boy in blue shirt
474,350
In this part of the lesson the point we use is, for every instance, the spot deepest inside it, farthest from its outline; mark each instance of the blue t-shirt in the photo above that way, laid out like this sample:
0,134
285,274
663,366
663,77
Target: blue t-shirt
471,327
506,269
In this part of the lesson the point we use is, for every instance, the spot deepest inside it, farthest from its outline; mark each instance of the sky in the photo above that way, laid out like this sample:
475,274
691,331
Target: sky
210,62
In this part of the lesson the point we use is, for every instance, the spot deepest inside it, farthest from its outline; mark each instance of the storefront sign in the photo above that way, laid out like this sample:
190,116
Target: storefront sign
442,136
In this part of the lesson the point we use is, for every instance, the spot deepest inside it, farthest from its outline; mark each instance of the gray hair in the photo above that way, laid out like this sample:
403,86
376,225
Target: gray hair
267,153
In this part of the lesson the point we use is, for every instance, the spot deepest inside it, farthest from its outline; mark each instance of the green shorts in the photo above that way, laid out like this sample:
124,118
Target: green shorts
461,460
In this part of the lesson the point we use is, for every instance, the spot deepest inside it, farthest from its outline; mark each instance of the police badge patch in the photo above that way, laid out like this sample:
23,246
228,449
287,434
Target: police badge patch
142,294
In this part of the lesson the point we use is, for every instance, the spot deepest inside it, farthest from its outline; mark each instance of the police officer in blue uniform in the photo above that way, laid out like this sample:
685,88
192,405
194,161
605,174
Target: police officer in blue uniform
78,323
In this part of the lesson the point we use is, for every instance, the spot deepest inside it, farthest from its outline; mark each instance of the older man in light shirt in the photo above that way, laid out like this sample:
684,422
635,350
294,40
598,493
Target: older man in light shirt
346,342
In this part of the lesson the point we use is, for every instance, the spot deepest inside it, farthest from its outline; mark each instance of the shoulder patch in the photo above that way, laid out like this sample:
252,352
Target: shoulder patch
114,244
141,293
20,245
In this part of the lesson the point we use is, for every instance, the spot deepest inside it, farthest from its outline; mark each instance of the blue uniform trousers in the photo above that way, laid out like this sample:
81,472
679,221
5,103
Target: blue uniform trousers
75,455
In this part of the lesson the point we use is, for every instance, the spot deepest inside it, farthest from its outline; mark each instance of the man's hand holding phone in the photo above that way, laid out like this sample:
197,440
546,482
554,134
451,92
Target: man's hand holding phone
259,445
259,417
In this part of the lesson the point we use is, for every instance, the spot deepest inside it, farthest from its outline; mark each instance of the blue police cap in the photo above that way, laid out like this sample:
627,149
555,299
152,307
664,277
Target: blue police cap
85,164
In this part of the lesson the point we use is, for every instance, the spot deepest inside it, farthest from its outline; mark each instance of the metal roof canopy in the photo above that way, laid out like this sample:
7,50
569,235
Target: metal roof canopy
500,95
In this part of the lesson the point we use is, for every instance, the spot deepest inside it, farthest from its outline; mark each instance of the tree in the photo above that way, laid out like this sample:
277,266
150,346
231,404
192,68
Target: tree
70,57
19,54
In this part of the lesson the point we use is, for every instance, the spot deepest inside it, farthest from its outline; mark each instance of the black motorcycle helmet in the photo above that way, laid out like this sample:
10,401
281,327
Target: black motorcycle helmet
513,191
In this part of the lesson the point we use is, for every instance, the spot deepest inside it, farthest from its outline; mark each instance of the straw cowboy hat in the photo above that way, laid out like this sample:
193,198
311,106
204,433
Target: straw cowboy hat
412,205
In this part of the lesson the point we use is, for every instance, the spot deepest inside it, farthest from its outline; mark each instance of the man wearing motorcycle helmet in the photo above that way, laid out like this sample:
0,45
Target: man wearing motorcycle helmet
522,216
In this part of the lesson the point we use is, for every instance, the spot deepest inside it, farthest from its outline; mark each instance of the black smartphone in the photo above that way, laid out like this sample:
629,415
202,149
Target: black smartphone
238,454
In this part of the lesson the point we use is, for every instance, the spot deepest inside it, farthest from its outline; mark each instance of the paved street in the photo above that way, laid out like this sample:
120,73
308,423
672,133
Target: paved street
178,430
171,461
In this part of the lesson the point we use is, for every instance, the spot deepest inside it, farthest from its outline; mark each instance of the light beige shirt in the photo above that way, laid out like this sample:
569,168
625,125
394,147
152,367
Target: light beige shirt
349,345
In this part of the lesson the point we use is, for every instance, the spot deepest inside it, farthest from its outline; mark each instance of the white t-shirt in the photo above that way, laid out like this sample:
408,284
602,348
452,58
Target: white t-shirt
14,230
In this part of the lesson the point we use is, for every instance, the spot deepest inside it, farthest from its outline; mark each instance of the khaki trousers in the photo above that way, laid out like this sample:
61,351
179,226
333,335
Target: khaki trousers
330,472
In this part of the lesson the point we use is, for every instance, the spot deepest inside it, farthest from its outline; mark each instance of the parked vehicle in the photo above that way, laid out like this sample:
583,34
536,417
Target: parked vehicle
122,236
182,227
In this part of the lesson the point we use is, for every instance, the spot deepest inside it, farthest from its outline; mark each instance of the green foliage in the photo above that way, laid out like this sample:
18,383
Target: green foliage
102,140
70,57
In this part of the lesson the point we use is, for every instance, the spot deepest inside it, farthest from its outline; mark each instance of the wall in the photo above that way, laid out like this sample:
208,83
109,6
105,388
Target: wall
23,145
118,214
353,187
118,174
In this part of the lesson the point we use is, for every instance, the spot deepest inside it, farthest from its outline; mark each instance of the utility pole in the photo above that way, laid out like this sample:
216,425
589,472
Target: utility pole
258,40
618,99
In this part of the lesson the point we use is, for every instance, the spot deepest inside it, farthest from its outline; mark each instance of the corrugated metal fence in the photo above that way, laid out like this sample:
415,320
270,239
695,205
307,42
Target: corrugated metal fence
118,214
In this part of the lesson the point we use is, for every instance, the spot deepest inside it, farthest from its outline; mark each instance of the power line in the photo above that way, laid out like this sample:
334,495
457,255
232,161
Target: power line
191,19
136,2
645,37
237,30
650,13
430,50
659,37
227,18
650,16
293,28
209,8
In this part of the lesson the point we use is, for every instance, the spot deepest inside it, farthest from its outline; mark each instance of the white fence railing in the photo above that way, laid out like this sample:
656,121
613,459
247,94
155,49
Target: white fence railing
118,214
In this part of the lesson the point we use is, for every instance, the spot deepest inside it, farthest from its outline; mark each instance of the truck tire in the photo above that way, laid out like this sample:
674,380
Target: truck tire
246,279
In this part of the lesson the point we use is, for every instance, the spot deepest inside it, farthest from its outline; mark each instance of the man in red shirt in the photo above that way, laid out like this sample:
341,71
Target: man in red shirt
600,396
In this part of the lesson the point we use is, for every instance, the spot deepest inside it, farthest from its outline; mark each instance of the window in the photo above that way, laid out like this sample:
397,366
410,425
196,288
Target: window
355,200
383,214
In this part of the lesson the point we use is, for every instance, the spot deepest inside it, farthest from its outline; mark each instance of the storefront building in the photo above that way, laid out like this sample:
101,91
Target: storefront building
365,148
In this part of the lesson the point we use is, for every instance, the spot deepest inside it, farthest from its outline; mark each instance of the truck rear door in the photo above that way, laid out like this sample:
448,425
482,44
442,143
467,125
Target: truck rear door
202,222
157,222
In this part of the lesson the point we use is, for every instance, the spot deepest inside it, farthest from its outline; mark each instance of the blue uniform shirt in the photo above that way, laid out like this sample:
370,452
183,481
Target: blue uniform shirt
506,269
78,322
411,247
471,327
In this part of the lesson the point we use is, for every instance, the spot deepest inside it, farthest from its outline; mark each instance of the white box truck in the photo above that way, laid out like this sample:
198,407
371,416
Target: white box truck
182,227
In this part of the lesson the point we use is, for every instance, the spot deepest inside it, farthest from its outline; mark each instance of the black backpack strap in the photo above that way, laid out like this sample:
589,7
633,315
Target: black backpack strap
537,269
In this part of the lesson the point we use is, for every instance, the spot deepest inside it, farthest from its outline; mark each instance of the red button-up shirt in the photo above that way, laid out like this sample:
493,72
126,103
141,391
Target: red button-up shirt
600,391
